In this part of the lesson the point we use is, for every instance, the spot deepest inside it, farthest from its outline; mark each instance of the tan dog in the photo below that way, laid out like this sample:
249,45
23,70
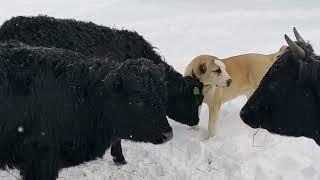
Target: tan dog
226,79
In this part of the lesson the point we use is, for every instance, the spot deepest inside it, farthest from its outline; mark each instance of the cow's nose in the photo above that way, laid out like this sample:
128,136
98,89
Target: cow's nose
167,136
229,81
247,114
243,115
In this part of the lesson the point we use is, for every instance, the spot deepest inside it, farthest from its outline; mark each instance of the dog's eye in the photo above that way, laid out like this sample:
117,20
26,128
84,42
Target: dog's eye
217,71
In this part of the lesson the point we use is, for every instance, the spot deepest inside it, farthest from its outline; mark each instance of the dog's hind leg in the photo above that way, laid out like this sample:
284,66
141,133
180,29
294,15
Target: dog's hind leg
249,94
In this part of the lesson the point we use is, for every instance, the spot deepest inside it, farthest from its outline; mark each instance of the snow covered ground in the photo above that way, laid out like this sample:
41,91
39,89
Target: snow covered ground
181,30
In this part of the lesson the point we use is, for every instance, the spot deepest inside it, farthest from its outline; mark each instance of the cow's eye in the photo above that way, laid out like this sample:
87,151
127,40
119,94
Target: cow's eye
217,71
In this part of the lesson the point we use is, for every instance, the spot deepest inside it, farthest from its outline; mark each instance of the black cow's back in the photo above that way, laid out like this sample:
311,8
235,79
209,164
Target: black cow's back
88,38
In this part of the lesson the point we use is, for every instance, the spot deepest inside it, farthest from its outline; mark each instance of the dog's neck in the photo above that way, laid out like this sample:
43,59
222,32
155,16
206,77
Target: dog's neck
208,89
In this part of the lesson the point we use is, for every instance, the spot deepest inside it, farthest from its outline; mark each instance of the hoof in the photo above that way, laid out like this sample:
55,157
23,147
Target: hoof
119,161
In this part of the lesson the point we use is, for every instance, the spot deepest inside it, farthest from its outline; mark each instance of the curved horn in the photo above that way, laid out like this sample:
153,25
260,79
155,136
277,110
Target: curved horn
297,35
297,51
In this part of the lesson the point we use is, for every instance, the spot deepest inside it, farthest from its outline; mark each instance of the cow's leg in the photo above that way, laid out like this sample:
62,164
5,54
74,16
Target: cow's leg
40,164
116,152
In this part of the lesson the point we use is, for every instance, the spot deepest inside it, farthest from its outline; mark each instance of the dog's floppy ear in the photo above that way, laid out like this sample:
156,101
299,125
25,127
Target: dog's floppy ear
203,68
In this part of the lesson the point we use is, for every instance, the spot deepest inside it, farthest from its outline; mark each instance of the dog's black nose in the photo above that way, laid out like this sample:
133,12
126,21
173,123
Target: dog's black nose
229,82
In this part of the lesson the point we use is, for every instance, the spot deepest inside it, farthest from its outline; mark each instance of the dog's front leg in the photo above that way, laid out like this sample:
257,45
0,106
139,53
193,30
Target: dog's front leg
213,116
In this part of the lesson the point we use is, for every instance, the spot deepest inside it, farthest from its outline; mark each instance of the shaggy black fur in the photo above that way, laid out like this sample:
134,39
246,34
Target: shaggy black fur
59,108
88,38
99,41
287,100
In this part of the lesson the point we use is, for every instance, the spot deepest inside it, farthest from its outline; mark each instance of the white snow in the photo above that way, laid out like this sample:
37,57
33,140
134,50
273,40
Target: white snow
181,30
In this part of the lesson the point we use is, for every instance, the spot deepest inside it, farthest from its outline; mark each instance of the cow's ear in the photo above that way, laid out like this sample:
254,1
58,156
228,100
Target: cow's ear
202,68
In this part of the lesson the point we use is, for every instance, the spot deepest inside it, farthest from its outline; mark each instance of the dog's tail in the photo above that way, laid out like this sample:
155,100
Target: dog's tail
279,52
188,71
282,49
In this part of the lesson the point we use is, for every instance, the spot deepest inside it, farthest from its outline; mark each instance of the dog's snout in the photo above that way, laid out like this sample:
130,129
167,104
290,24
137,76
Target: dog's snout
229,81
167,136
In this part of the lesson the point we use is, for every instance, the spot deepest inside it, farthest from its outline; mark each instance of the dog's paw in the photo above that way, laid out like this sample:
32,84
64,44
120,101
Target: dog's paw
211,133
206,136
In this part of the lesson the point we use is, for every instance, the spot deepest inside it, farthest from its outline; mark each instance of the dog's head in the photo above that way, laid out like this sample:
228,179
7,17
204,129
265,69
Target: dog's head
209,70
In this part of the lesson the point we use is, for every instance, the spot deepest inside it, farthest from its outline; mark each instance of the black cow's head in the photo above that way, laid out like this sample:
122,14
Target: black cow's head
184,100
139,90
287,100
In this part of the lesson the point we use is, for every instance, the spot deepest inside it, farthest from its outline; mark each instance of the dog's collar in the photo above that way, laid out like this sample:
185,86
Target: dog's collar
193,75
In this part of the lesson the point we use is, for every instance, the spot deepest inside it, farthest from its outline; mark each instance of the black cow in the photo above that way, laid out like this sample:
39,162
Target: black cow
287,100
99,41
59,108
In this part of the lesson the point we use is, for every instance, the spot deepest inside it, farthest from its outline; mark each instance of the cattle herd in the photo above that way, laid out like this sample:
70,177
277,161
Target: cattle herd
70,90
